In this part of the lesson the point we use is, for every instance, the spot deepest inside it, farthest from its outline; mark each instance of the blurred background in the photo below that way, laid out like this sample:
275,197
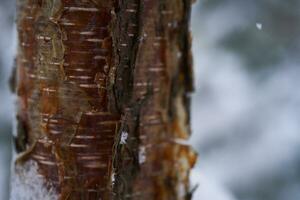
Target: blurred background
7,52
246,108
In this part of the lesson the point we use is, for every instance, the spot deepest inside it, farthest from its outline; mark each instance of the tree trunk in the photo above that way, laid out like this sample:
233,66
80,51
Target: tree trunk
103,100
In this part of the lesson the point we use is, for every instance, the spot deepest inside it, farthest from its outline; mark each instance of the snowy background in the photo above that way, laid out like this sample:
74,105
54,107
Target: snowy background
246,107
7,51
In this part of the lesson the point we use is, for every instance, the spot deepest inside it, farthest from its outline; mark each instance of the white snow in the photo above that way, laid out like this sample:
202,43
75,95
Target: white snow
113,178
27,184
259,26
208,188
142,155
124,136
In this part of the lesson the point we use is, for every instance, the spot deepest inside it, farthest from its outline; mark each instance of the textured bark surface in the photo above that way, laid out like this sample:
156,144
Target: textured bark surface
103,97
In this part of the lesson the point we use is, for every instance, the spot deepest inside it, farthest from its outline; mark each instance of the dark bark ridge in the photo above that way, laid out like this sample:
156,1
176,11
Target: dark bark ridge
103,92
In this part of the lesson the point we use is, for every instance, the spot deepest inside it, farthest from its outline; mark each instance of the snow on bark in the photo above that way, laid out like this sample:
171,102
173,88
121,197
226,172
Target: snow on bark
124,136
28,184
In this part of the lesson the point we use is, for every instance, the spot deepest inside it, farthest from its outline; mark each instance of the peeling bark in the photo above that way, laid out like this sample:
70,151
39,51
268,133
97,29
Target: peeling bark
103,97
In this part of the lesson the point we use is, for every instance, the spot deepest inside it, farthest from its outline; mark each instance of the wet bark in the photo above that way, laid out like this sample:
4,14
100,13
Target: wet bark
103,97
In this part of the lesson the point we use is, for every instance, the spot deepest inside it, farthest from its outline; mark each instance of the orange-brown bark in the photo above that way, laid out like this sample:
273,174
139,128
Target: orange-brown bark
103,92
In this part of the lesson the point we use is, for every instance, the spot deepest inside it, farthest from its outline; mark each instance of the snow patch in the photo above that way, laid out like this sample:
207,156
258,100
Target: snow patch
208,187
28,184
124,136
259,26
142,155
113,178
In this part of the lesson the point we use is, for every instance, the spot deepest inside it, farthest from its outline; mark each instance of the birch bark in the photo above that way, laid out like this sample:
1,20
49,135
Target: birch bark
103,99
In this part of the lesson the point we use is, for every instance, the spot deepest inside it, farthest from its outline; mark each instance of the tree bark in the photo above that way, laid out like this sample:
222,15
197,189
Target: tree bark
103,99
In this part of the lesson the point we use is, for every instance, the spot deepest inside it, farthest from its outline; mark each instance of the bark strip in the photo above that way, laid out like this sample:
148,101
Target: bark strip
103,89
